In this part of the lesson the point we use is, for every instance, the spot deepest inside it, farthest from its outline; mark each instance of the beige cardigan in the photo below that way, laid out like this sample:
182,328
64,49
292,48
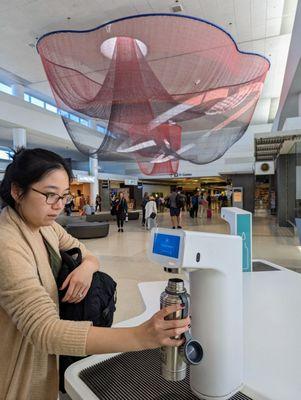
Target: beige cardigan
31,332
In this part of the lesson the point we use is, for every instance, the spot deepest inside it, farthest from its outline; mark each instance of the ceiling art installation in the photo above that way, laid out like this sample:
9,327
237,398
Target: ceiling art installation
162,87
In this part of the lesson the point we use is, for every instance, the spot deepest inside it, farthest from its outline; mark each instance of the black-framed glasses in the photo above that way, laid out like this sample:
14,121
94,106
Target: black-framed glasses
53,198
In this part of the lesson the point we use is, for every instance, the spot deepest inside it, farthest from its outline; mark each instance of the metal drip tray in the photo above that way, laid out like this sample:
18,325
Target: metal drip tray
136,376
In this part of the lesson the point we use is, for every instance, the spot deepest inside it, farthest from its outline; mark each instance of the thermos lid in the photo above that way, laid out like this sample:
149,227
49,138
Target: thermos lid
175,286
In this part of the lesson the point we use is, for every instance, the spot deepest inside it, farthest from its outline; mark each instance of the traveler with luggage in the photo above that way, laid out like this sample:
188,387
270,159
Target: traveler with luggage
151,213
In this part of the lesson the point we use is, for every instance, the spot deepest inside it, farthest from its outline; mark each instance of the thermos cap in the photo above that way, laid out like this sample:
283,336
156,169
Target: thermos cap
175,286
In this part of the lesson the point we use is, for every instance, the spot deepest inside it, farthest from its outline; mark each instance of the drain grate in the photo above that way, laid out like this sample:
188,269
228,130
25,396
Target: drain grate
136,376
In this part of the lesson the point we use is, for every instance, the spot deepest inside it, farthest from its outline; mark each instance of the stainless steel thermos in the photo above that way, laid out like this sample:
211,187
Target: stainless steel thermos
174,360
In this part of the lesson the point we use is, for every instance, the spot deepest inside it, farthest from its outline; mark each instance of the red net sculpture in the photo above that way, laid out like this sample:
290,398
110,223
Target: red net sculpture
162,87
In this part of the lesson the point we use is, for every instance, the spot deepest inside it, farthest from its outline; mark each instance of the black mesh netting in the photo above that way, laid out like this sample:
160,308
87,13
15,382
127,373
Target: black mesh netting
163,87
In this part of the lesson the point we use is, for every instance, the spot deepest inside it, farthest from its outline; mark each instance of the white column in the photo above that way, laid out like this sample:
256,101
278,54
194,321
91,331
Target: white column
92,123
18,90
299,104
93,170
19,138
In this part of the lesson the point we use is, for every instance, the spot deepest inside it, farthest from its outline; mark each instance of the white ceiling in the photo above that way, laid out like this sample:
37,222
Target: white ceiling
262,26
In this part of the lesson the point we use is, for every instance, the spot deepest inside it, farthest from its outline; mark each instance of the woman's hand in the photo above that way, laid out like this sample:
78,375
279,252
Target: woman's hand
79,281
157,331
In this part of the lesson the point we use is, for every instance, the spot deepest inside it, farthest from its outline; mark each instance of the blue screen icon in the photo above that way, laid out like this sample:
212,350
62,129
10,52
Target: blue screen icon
166,245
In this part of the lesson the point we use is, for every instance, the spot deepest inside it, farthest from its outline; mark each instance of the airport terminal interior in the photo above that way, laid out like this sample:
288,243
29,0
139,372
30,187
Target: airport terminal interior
190,110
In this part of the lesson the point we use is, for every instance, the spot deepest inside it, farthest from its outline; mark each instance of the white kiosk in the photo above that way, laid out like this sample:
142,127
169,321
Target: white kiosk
216,303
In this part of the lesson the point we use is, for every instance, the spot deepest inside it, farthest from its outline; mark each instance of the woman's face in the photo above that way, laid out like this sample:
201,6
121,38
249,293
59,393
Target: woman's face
33,207
121,195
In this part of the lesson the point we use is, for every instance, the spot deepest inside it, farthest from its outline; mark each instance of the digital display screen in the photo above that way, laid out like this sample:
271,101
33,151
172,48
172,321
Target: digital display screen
237,197
166,245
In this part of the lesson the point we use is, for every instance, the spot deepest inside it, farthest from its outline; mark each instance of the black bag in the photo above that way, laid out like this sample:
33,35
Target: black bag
180,200
153,215
98,306
113,210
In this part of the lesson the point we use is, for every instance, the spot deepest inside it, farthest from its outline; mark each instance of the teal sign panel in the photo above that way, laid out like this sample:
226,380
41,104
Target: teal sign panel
243,229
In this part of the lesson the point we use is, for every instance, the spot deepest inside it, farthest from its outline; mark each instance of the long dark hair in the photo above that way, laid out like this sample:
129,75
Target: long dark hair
29,166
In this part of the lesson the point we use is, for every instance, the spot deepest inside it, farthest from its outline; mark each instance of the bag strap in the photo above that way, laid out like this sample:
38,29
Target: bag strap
72,258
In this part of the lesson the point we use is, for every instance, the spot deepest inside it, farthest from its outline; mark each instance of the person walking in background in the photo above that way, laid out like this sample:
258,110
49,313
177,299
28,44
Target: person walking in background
157,200
161,204
143,204
69,205
209,200
203,205
188,202
181,200
174,210
195,205
121,208
151,213
224,200
82,202
98,203
209,205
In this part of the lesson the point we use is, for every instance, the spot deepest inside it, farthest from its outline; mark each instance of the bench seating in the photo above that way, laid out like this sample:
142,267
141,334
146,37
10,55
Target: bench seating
65,220
88,230
106,216
101,217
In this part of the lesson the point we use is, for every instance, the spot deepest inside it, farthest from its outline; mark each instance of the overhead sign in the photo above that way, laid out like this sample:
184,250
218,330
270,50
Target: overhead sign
105,184
178,175
85,178
133,181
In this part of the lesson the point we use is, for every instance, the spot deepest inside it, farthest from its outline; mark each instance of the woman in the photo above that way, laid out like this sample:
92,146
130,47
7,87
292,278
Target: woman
151,213
143,204
98,203
203,204
35,189
120,208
